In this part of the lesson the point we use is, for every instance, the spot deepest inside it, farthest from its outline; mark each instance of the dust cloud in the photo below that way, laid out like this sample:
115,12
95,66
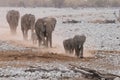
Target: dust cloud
5,35
17,40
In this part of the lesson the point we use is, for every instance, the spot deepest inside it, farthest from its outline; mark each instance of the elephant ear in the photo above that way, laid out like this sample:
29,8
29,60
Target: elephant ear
53,26
31,20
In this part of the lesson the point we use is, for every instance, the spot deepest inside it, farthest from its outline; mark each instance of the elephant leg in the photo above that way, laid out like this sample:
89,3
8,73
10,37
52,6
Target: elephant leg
81,51
32,31
71,51
23,32
77,52
46,41
50,39
39,42
39,39
14,30
11,29
43,38
25,35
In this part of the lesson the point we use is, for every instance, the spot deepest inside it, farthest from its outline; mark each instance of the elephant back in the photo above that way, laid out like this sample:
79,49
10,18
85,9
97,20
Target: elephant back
31,19
27,21
13,17
68,43
39,25
79,39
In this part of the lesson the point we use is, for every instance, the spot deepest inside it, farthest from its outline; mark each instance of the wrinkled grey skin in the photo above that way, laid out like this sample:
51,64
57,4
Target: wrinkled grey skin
34,38
13,19
27,23
68,45
44,28
78,45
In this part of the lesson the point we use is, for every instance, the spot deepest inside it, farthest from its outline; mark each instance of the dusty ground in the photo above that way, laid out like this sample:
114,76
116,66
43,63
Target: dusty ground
16,64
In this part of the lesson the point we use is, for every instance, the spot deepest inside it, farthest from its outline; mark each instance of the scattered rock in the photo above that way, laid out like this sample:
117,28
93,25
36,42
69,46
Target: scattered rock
71,21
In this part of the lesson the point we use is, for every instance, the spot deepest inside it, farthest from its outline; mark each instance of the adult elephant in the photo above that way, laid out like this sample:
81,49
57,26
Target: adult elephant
44,28
40,31
13,19
68,45
49,25
78,45
27,23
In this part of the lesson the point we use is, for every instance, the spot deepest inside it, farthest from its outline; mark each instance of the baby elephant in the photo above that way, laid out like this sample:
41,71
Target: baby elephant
78,45
68,45
34,38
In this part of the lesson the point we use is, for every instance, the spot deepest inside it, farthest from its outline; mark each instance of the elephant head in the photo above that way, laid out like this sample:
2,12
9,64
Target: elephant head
50,21
78,45
13,19
27,22
68,45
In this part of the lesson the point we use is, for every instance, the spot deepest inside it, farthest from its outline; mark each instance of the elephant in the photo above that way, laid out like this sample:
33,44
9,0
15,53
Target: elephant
49,25
13,19
68,45
34,38
27,23
44,28
78,44
40,30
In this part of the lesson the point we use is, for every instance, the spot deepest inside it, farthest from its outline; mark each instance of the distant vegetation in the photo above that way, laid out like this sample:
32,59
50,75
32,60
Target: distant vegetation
60,3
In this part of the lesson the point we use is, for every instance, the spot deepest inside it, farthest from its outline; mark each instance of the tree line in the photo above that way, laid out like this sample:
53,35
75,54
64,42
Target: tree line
60,3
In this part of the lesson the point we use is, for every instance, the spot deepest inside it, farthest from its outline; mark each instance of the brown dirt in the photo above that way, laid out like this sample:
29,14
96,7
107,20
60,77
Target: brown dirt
29,55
